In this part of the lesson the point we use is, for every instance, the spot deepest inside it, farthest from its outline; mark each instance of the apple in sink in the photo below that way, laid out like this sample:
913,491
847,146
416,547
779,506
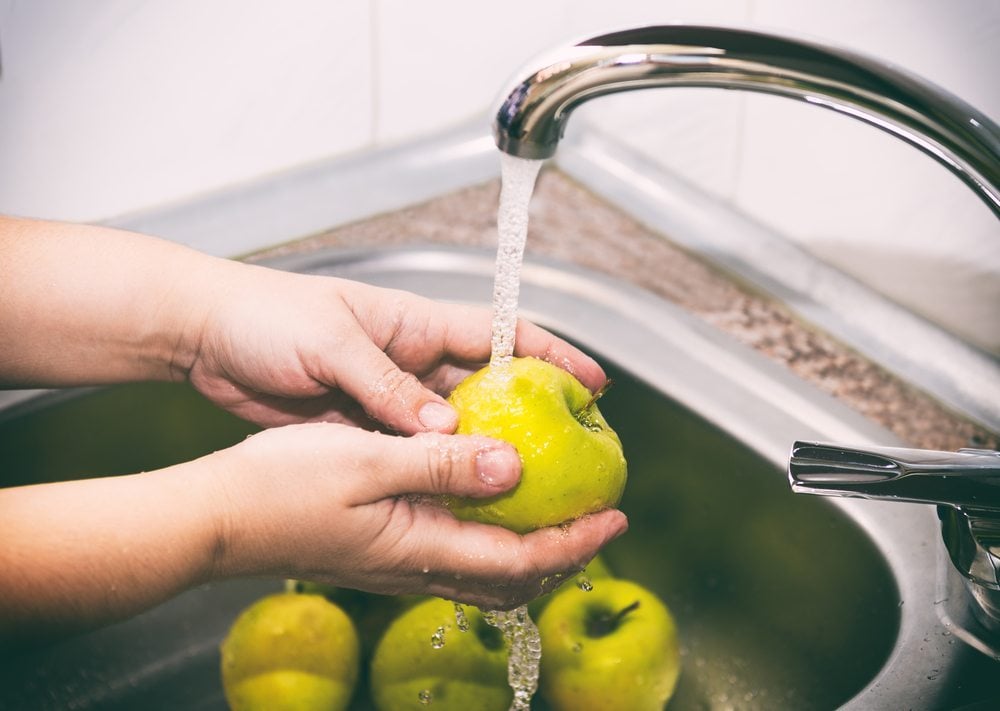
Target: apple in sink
425,660
572,461
290,652
613,648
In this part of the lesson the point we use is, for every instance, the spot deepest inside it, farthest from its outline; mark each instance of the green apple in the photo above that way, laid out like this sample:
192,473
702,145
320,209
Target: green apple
370,612
612,648
290,652
572,461
411,668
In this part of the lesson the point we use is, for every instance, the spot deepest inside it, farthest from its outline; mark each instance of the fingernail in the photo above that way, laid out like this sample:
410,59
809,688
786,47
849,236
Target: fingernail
497,468
437,417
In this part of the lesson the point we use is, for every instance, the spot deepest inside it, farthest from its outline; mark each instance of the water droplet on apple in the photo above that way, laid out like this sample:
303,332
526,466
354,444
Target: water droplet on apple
577,648
424,696
437,639
583,582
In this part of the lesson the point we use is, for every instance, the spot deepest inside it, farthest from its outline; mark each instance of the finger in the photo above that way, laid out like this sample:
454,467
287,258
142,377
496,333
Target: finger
390,395
470,343
437,464
277,410
512,569
535,341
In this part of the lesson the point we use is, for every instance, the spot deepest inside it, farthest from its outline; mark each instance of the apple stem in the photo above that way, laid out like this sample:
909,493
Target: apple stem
606,624
597,396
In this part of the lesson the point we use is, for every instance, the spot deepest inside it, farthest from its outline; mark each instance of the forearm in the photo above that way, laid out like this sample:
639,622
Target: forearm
76,555
85,305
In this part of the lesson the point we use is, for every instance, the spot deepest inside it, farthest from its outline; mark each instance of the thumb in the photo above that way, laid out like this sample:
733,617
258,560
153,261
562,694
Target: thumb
434,463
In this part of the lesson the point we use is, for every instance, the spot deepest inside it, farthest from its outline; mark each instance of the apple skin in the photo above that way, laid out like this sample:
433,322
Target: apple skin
290,652
633,667
468,673
370,612
572,461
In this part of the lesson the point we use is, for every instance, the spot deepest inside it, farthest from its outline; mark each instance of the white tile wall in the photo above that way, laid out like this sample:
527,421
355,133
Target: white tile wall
112,107
119,106
445,61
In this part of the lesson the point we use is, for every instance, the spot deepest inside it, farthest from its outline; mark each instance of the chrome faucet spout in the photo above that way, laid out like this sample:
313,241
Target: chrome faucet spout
968,478
965,486
532,115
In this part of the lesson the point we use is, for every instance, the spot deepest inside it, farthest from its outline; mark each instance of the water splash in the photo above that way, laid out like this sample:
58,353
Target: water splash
461,621
525,645
424,696
518,177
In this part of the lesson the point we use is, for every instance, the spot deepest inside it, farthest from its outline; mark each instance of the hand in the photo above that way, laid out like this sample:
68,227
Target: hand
270,346
354,508
278,348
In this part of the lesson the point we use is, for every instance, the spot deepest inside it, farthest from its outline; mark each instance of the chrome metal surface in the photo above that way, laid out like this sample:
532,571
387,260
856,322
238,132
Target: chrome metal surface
972,538
964,484
532,115
967,478
954,372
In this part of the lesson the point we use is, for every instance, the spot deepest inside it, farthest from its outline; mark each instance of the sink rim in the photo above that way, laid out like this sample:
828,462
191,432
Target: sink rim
552,293
754,400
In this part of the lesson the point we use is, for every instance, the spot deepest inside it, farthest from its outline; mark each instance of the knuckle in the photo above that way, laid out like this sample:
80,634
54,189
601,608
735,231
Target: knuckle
393,384
392,392
443,463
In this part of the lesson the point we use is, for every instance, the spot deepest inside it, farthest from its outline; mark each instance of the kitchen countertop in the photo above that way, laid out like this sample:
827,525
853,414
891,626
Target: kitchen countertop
569,223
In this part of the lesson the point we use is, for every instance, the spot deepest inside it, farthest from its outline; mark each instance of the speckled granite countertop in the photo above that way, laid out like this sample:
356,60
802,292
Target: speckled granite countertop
571,224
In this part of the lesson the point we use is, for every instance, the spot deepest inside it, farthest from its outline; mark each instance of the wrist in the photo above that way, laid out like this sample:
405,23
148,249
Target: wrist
187,309
236,522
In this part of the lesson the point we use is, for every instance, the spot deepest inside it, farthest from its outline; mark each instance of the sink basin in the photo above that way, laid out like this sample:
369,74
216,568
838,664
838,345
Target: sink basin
782,601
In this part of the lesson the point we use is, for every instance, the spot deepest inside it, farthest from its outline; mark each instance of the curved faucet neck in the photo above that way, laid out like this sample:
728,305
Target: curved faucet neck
532,116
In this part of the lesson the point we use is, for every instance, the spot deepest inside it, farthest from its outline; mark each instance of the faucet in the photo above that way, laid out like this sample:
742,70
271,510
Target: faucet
531,119
532,115
964,485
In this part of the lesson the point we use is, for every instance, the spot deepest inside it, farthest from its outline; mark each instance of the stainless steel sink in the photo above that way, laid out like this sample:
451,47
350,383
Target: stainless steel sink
782,601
